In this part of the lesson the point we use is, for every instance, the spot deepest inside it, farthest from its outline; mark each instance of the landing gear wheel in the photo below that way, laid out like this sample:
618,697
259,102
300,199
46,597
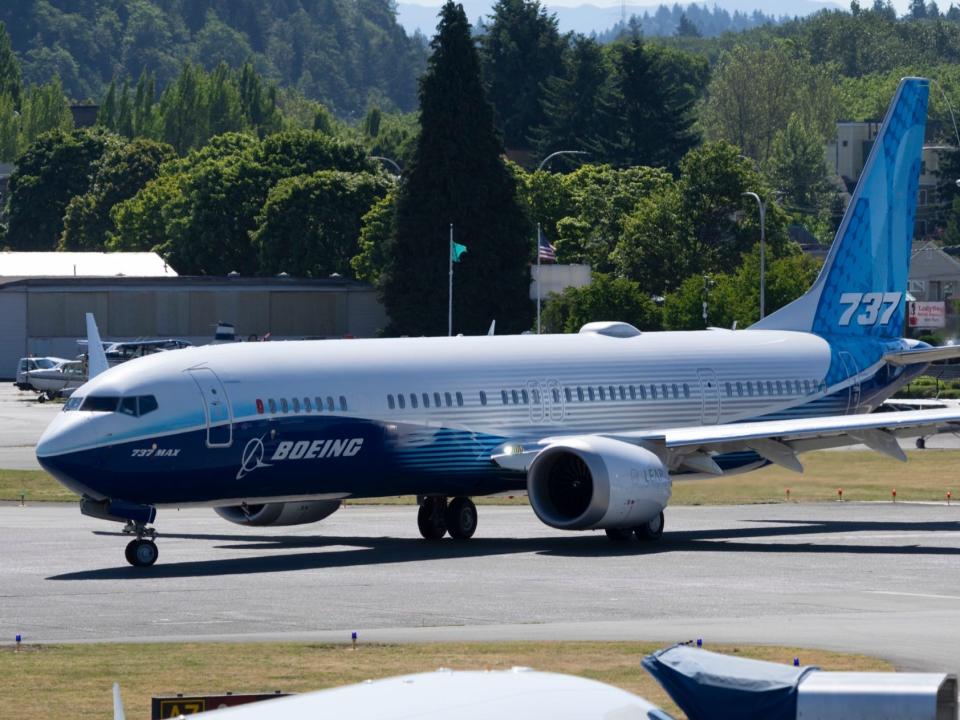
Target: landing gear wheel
141,553
921,443
461,518
430,518
653,530
619,534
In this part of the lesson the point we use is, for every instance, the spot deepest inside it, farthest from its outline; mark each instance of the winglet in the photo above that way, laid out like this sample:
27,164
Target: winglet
96,357
118,713
493,328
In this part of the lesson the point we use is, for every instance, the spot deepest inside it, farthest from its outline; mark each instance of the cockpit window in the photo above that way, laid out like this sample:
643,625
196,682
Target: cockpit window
73,403
134,405
100,403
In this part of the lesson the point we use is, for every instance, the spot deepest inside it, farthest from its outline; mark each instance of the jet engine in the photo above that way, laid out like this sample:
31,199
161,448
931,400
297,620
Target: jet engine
279,513
591,482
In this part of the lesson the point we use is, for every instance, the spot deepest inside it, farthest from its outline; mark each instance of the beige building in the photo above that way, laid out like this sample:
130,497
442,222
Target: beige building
847,153
935,277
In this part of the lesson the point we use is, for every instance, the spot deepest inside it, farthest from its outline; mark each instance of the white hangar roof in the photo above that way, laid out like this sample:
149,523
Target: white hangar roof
83,264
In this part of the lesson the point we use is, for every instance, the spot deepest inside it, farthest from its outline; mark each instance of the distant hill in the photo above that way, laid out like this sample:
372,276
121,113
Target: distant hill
345,53
729,15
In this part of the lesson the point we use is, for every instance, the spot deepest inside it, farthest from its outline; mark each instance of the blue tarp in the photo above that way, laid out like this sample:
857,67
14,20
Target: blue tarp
710,686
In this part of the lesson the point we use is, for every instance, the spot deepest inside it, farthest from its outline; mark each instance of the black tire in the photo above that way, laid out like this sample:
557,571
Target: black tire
461,518
619,534
430,520
652,530
128,552
921,443
41,398
142,553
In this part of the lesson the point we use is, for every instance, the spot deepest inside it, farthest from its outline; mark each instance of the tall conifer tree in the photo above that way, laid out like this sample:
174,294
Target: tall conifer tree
457,175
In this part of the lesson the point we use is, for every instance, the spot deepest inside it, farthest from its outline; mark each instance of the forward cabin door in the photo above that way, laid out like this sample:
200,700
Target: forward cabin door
710,392
216,407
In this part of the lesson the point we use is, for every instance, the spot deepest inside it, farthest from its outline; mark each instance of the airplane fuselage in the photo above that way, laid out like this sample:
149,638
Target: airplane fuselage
366,418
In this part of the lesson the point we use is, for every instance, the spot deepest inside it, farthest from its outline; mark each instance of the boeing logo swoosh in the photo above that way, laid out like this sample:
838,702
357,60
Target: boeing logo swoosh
252,458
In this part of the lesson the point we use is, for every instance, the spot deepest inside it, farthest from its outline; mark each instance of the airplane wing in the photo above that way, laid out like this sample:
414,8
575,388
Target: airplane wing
778,441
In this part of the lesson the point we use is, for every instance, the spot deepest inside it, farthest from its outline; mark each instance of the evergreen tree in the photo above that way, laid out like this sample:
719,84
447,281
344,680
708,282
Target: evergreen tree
457,176
686,27
571,103
108,109
522,48
9,129
9,69
125,111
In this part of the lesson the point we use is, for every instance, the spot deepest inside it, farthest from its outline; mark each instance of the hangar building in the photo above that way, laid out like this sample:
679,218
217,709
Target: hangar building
44,314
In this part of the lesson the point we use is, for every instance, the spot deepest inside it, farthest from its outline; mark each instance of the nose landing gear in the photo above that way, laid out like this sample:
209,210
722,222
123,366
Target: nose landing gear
141,552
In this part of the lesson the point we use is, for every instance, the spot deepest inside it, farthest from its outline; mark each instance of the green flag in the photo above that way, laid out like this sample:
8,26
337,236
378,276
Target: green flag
456,250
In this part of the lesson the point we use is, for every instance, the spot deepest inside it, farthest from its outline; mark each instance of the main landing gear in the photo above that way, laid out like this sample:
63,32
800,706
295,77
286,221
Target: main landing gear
648,532
436,518
141,552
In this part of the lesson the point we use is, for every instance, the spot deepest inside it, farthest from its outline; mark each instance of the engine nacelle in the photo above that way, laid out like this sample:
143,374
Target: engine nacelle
279,513
589,482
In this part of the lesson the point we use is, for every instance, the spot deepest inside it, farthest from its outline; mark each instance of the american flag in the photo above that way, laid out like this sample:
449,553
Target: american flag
545,251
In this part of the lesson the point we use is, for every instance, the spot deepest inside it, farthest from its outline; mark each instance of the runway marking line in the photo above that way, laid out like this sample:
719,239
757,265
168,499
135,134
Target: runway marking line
929,596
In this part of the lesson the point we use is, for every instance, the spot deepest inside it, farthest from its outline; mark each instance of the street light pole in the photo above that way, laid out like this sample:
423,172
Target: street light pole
763,242
543,162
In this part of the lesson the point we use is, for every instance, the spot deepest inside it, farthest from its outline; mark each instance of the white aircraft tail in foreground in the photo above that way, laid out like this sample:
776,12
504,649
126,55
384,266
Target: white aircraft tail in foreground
594,427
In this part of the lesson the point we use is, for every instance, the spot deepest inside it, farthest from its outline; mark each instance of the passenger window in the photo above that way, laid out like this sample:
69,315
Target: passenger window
642,389
789,385
590,393
769,387
663,387
623,393
729,390
536,396
426,400
483,398
568,393
273,406
676,392
779,388
446,397
503,397
806,386
436,400
343,403
579,393
390,403
330,403
750,388
128,406
413,400
306,405
602,392
401,403
739,388
296,405
556,395
319,403
653,391
284,407
759,387
459,397
515,396
633,392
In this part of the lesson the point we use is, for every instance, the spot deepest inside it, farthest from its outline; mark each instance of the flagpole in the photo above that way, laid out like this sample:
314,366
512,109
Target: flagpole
538,278
450,289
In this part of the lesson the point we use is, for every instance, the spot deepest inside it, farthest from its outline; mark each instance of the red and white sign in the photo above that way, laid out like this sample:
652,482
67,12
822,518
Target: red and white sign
927,314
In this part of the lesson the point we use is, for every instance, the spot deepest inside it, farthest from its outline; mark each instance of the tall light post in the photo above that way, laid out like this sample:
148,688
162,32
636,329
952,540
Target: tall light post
763,240
543,162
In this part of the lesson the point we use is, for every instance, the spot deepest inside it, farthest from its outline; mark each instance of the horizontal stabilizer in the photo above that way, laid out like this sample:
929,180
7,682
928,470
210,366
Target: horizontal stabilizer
923,355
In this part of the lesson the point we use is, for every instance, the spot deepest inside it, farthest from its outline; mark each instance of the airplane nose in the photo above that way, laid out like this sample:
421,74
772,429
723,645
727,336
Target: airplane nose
60,451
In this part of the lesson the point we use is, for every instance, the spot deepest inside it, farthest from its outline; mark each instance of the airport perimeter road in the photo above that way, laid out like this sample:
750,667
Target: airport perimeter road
22,422
877,578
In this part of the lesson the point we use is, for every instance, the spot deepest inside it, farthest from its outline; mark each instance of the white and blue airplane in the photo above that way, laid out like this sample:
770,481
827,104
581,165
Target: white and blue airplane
594,427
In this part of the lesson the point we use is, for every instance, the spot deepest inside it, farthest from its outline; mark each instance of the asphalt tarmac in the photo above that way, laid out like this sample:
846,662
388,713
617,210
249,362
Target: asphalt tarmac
876,578
22,422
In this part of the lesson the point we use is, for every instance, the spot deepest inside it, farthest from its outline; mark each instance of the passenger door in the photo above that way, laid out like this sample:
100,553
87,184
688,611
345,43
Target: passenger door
216,407
710,392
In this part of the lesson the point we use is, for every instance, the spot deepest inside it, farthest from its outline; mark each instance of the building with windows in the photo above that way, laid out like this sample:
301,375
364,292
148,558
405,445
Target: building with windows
845,157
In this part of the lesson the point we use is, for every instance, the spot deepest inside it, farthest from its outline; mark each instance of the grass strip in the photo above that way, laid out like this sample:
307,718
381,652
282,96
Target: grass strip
75,680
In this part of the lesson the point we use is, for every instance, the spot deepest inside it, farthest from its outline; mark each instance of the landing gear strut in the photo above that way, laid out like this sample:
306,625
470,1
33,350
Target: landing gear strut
436,518
141,552
648,532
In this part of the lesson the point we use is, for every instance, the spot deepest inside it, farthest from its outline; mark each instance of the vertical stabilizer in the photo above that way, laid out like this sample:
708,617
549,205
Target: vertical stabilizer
96,357
861,290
